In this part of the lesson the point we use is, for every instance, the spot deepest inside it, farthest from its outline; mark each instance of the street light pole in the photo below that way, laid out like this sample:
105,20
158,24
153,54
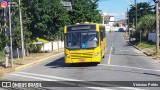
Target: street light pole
22,41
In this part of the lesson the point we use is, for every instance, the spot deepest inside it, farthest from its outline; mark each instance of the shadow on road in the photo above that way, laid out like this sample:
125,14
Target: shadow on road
131,43
152,74
128,54
133,71
60,63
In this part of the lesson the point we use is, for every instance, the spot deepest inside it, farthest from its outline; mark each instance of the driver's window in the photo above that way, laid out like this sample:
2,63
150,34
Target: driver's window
69,39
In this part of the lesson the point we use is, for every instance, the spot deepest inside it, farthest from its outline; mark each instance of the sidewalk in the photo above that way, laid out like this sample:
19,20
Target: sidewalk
149,51
33,58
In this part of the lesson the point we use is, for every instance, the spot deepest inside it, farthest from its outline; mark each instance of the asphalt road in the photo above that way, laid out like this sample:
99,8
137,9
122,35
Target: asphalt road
122,62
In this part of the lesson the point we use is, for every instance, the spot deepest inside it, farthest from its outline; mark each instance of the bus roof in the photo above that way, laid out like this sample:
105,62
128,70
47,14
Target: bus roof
80,24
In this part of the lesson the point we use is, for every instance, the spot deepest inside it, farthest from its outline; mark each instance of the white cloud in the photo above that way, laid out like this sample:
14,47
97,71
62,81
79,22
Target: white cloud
105,13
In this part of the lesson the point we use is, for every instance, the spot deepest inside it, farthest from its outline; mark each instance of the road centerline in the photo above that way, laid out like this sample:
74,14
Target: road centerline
109,58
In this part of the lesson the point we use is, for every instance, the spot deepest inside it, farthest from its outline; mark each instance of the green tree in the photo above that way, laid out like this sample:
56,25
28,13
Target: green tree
116,25
3,41
145,24
47,17
143,8
41,18
84,10
26,27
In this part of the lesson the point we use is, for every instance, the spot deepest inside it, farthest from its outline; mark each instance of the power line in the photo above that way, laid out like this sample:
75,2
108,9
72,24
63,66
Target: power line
150,1
128,2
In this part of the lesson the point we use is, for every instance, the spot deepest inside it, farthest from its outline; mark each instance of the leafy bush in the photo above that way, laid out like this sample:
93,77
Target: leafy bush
1,56
145,24
35,48
3,41
145,44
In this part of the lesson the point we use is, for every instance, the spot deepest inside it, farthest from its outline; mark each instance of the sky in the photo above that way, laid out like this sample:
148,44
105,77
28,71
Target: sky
117,8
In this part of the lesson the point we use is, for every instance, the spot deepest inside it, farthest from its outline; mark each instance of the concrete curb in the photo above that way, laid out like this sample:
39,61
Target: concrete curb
35,62
148,54
136,47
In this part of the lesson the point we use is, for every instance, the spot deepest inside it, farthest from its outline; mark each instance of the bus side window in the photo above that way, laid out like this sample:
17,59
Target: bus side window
101,36
104,34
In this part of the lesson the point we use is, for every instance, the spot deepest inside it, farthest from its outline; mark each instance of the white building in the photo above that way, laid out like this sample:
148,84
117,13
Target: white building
111,21
108,20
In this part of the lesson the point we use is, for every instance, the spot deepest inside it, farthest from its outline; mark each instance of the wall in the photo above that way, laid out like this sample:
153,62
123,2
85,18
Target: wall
50,46
107,28
152,37
15,54
111,24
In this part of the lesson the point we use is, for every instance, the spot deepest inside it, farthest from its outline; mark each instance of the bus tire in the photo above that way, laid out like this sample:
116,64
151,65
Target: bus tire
96,63
103,56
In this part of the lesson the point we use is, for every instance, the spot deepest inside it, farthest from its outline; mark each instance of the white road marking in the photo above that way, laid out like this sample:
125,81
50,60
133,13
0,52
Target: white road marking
109,58
45,78
130,67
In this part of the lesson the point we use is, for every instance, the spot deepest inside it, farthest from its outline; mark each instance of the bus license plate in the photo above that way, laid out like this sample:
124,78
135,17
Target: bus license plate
81,60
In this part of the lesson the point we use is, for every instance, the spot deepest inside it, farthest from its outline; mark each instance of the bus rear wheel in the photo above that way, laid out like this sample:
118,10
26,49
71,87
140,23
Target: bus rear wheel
103,56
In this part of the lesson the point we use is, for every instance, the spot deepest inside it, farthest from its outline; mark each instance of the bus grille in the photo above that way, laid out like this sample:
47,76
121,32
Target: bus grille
81,55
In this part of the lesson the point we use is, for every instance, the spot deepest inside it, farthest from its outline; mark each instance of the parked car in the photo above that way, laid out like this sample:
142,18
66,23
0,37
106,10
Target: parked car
121,30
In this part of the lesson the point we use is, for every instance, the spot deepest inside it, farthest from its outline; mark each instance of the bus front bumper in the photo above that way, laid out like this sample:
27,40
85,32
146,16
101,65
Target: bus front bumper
83,60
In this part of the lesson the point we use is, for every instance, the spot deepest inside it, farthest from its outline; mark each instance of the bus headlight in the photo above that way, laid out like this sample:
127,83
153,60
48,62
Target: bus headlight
68,56
96,54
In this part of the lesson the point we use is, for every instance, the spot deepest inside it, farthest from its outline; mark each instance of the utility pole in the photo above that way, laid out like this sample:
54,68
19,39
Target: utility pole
157,26
5,21
10,30
136,14
22,40
102,18
133,23
128,20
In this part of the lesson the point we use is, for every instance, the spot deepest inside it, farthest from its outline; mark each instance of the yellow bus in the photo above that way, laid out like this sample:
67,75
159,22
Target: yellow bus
84,43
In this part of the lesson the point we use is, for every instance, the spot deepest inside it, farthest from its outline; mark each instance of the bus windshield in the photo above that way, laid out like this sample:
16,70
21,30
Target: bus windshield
81,40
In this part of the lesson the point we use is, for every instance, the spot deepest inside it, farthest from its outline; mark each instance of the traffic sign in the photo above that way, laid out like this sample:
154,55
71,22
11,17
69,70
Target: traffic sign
67,5
140,31
4,4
